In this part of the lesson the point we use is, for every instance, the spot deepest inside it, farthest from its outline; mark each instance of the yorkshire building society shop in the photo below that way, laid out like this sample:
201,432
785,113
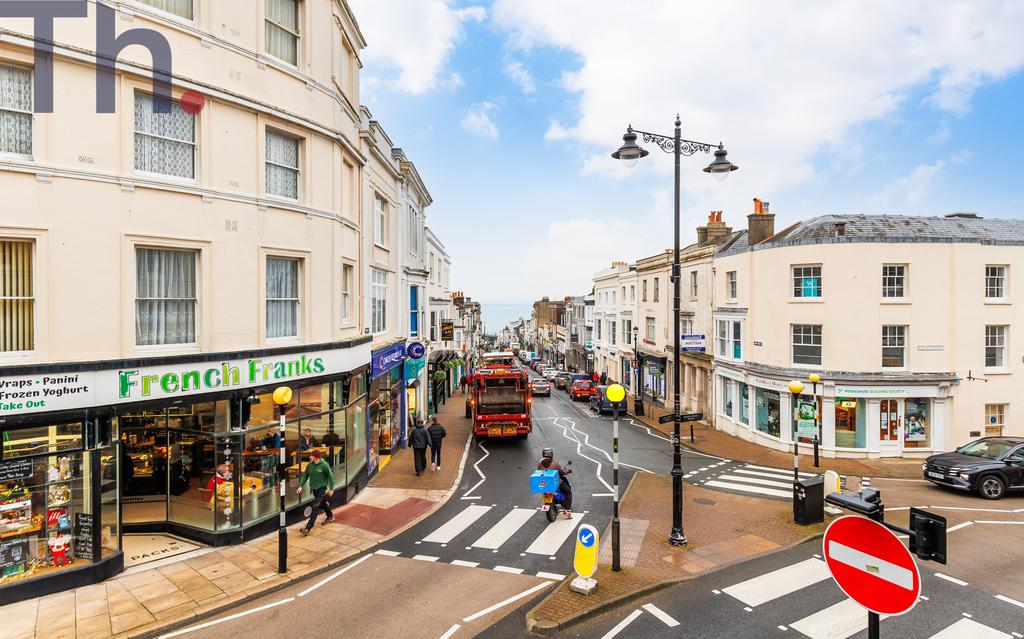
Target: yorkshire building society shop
184,445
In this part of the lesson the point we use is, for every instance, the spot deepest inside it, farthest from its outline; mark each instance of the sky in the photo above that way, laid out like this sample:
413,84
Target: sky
510,110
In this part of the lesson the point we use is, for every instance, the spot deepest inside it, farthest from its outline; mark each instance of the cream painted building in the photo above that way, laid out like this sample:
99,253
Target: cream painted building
607,329
909,321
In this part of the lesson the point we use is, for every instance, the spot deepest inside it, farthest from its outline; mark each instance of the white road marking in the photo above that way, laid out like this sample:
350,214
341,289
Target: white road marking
465,564
835,622
476,467
1009,523
778,471
579,451
473,497
958,582
750,489
959,526
512,599
425,558
554,535
644,427
779,583
977,510
757,481
183,631
451,631
968,629
894,574
451,528
619,627
550,575
586,441
388,553
337,574
500,532
514,571
779,476
661,615
1014,602
916,481
602,495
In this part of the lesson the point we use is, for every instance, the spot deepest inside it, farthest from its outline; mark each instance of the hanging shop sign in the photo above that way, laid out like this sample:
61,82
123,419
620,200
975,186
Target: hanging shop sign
415,350
447,331
49,392
692,343
385,359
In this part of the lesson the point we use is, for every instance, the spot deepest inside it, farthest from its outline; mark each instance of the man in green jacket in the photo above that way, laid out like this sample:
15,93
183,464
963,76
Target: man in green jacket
321,482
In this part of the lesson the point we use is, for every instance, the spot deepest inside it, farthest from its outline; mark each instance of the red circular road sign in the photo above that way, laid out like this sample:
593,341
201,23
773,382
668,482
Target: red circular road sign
871,565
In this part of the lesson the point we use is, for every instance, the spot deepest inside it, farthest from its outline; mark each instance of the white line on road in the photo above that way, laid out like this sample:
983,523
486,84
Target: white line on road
513,571
465,564
916,481
512,599
969,628
228,618
579,451
388,553
1010,601
750,489
554,535
451,631
476,467
661,615
844,619
758,481
777,470
951,579
500,532
644,427
761,473
1009,523
473,497
979,510
959,526
602,495
454,526
550,575
622,624
425,558
778,583
337,574
586,441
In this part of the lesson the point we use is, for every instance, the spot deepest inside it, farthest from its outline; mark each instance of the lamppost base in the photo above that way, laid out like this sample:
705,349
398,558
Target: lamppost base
677,538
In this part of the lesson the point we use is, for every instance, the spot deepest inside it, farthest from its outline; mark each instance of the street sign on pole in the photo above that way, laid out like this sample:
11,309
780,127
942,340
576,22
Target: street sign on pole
871,565
584,562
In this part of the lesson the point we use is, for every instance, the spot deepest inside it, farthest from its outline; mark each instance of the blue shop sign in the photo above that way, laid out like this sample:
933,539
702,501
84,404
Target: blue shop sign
416,350
385,359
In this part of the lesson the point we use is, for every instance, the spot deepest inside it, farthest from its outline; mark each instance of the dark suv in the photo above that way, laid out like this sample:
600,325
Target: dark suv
989,466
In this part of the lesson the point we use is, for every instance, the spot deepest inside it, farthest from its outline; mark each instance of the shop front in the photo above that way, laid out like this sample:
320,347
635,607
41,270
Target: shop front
387,404
652,378
415,395
180,445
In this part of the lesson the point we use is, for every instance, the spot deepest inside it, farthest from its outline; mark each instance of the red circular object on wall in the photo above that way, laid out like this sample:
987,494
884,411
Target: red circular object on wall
871,565
193,102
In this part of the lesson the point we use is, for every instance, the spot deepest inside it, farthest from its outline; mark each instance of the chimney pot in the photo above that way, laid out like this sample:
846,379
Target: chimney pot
760,223
757,205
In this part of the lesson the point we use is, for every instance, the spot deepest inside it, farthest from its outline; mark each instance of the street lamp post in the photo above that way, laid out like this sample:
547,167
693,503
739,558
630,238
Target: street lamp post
795,388
282,395
638,402
814,378
615,394
630,152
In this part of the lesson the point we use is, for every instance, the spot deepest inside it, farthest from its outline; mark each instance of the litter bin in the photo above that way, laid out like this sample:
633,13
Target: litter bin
809,501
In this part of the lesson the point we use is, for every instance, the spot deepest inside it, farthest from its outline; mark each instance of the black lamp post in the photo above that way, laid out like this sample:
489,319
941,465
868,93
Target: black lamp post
630,152
638,402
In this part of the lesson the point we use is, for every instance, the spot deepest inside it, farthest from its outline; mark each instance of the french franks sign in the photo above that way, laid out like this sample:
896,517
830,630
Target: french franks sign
68,391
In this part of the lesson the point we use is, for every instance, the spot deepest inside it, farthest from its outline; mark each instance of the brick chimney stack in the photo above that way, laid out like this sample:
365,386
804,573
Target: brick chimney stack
760,223
715,229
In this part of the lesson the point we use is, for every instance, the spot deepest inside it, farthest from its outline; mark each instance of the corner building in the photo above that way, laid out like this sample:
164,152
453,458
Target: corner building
162,273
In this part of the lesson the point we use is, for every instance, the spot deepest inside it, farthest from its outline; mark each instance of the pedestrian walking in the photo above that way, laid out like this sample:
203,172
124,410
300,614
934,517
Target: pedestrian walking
419,440
321,481
437,433
463,382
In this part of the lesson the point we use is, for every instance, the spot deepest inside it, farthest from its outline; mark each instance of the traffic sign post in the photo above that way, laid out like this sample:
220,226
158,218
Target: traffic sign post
584,561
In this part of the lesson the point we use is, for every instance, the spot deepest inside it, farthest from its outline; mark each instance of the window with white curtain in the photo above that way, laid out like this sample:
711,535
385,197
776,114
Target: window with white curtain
346,292
15,110
282,165
17,301
166,303
180,8
378,301
283,30
650,328
282,297
380,219
164,142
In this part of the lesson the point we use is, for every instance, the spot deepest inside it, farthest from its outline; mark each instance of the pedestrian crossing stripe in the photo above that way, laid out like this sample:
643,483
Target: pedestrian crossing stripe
550,576
547,543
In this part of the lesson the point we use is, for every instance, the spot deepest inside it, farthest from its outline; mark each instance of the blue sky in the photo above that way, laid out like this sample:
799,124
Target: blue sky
828,108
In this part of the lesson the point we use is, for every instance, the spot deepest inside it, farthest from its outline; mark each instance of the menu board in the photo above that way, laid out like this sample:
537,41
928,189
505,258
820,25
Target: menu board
17,469
83,536
12,553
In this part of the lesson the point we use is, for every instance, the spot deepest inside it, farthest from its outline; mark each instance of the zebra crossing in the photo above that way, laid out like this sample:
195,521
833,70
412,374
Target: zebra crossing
747,479
838,620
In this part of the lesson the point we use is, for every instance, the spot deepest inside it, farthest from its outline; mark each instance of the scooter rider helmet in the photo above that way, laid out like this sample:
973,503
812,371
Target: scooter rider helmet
547,453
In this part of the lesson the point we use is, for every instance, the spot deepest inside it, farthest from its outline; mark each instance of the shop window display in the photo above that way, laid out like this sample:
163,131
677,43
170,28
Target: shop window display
744,403
767,405
850,431
917,429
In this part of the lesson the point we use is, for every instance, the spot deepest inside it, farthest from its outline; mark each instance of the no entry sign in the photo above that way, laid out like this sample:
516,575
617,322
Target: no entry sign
871,565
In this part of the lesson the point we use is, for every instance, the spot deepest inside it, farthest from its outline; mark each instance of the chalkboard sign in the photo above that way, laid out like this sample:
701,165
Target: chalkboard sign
17,469
12,553
83,536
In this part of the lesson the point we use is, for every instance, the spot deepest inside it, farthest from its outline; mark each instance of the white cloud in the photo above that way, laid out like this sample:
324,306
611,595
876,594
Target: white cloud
915,187
414,39
778,83
941,135
478,120
521,76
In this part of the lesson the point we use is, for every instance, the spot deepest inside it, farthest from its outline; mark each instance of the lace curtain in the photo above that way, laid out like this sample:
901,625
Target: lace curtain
181,8
15,110
283,30
165,297
282,297
164,142
282,165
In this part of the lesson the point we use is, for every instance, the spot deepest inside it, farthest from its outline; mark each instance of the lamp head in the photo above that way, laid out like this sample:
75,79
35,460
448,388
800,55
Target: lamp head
721,167
630,152
615,393
814,378
796,387
282,395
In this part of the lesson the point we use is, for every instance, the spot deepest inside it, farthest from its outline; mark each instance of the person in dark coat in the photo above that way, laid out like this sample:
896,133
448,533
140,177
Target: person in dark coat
419,440
437,433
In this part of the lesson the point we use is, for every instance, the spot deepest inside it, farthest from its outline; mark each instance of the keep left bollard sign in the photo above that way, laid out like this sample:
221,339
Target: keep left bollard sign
585,560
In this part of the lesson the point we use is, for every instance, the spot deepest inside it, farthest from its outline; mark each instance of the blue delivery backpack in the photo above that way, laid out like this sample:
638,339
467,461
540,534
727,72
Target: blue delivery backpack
544,481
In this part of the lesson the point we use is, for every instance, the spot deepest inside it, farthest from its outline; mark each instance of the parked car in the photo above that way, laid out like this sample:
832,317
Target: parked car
582,389
541,387
599,402
562,380
990,466
578,376
550,374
